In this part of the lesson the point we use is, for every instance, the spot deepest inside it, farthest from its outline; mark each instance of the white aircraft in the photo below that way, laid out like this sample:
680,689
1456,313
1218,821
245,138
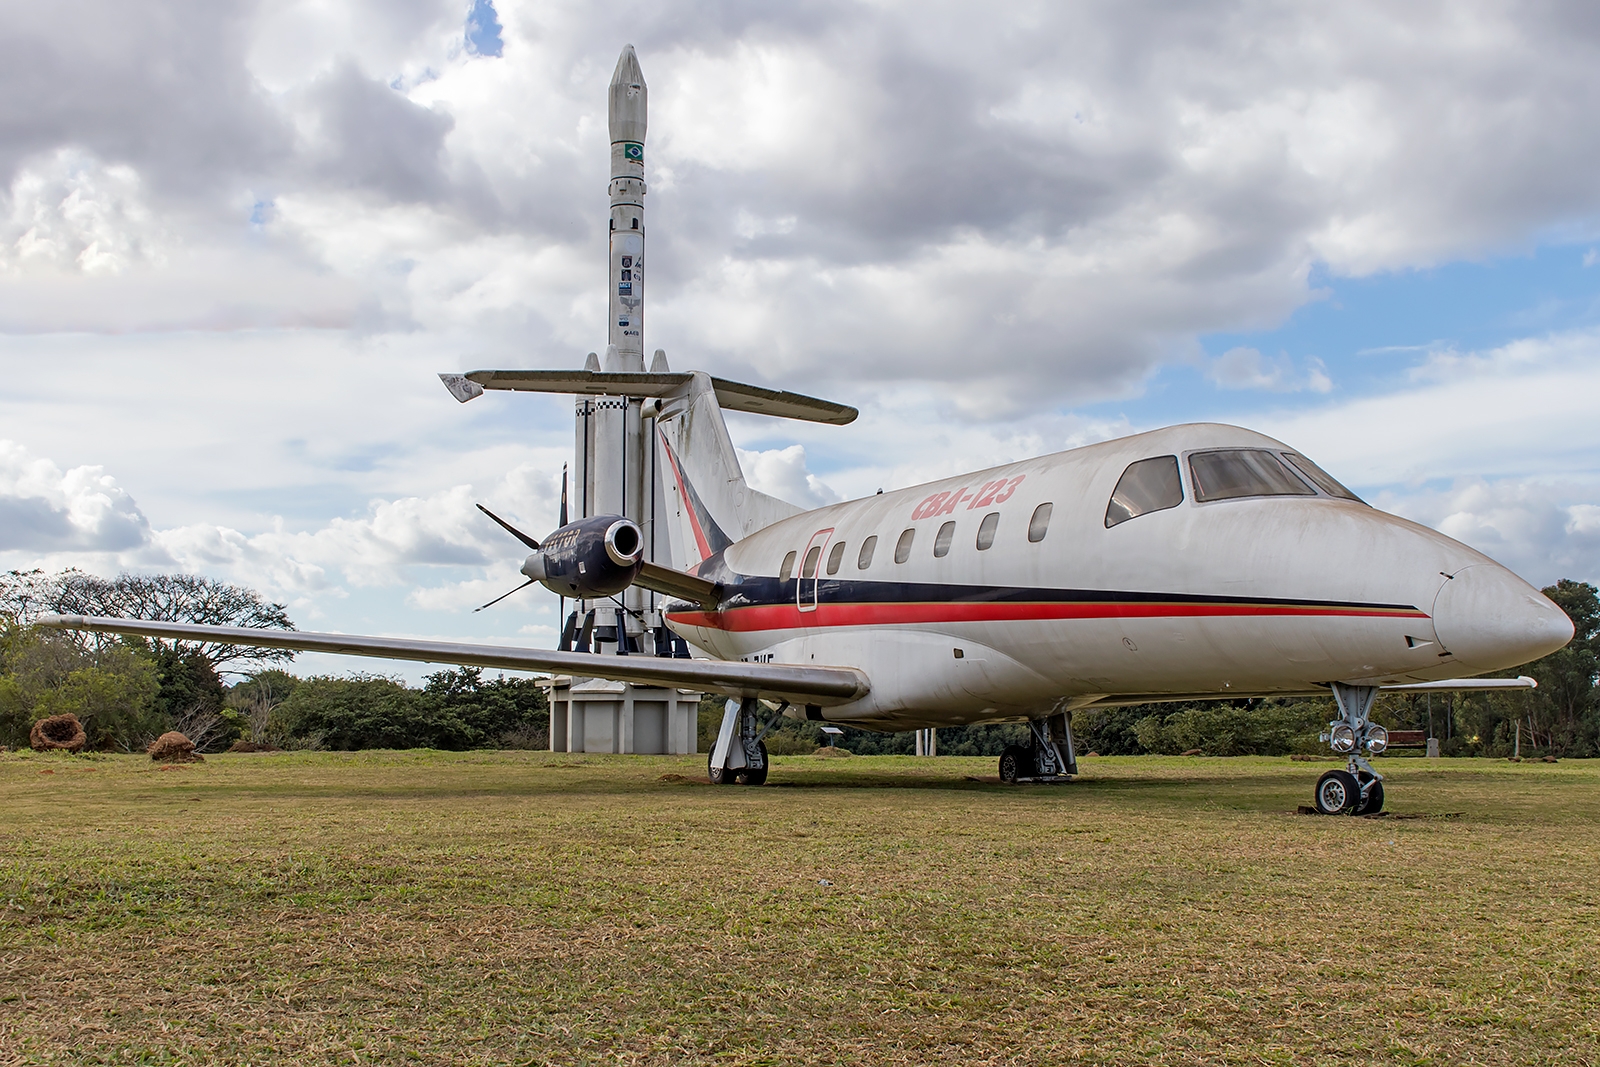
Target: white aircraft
1189,563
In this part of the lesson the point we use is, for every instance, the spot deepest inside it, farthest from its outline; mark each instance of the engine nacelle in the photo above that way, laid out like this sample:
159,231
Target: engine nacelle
595,557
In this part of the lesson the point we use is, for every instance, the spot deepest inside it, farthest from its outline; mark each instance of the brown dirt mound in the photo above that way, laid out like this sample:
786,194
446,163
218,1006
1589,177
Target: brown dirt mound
60,733
251,746
831,752
173,747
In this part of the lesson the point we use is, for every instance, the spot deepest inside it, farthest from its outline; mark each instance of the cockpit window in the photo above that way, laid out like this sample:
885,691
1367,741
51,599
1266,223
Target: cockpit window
1322,478
1235,472
1148,485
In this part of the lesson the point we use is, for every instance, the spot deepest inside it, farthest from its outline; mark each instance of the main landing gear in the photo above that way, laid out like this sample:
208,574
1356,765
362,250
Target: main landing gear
1049,755
740,755
1358,789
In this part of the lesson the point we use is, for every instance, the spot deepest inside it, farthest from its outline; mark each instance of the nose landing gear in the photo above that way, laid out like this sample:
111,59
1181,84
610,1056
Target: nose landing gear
1358,789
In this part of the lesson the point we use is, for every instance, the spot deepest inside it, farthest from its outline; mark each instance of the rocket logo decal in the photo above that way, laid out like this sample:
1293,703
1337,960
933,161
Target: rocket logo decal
633,151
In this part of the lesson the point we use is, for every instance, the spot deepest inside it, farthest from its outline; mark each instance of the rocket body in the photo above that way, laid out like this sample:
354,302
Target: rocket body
614,443
626,115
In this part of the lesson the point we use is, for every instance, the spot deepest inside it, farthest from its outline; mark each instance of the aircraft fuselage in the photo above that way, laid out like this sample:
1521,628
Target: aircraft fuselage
995,594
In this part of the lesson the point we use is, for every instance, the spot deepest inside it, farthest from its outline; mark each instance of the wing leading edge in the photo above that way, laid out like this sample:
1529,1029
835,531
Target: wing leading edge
822,686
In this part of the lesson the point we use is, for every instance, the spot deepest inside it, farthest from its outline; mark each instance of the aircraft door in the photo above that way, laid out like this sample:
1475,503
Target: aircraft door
805,589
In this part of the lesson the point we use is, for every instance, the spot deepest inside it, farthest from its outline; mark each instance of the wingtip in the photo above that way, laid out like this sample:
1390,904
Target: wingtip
461,387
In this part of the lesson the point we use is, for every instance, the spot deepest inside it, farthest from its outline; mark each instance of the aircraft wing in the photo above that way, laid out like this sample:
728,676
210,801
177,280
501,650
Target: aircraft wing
731,396
1463,685
677,583
821,686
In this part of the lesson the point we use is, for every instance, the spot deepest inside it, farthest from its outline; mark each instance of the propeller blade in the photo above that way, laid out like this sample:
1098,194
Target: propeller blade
563,494
502,596
568,633
510,529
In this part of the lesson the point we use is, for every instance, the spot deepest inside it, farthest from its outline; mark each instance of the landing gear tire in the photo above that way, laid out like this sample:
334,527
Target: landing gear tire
1337,792
1372,803
740,775
1015,762
752,775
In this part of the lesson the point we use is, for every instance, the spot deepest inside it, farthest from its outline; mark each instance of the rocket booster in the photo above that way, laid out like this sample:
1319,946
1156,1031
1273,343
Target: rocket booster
626,116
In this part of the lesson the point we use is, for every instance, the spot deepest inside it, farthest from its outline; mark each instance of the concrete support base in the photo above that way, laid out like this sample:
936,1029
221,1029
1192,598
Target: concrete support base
595,715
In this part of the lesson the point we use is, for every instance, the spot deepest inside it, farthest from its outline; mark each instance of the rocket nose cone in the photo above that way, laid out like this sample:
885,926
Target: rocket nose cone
1490,619
628,99
627,71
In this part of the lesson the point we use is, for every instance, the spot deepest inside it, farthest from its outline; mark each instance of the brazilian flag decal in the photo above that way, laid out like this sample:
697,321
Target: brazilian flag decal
633,151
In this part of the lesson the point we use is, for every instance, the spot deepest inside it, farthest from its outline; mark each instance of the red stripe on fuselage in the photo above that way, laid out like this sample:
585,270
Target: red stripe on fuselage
788,617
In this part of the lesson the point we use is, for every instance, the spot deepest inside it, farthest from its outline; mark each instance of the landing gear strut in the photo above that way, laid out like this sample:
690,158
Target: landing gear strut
1049,755
1358,789
740,755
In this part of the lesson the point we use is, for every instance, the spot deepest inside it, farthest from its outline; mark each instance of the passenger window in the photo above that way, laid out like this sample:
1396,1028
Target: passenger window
809,568
941,543
1147,485
788,567
836,557
986,530
902,547
864,560
1323,479
1039,525
1236,472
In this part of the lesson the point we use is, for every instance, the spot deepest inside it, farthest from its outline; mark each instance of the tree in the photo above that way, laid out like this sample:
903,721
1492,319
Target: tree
1566,694
111,688
25,595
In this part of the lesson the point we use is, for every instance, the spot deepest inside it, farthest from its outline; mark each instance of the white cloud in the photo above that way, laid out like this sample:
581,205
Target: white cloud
43,508
1247,368
229,276
782,472
1524,409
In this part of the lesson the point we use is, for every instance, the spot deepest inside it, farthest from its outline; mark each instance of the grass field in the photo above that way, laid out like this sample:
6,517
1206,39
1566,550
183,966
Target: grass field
513,907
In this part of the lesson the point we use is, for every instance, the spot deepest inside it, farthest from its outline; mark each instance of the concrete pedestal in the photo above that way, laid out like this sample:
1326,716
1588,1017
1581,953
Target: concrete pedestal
595,715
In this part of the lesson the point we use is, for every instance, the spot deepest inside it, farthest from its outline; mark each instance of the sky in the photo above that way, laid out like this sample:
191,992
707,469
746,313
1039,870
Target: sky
238,241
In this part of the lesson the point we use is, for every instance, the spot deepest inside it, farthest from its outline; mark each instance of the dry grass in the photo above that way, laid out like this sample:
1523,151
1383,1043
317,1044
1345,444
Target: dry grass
518,907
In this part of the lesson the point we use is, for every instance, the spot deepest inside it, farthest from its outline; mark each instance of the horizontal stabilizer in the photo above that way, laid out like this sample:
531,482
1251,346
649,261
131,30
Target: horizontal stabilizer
1463,685
732,396
683,586
774,681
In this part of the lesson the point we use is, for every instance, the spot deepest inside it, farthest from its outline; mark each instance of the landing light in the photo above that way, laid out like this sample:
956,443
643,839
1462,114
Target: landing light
1377,739
1343,738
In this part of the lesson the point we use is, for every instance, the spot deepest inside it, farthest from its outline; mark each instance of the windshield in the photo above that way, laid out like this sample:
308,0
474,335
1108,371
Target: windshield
1235,472
1322,478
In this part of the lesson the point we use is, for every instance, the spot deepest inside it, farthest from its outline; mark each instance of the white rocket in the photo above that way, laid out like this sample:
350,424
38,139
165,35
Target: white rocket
626,115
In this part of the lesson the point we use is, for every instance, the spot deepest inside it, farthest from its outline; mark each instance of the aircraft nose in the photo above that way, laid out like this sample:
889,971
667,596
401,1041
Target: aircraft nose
1491,619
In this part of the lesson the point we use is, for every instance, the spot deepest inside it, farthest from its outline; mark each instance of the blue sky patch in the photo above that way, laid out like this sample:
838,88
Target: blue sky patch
483,29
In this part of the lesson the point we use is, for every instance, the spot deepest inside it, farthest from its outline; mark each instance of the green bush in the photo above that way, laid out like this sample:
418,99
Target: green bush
109,687
1267,729
456,710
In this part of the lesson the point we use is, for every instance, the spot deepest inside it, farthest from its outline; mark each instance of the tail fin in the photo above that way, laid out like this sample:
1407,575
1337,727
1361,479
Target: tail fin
708,502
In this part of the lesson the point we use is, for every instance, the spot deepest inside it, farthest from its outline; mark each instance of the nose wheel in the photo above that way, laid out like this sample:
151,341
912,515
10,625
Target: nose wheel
1358,789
